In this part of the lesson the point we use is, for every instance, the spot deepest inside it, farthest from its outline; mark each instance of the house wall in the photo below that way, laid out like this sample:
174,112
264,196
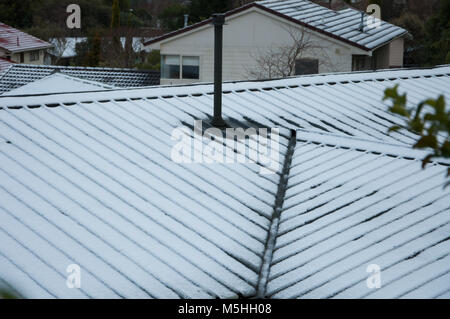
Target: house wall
16,57
396,48
248,35
382,56
390,55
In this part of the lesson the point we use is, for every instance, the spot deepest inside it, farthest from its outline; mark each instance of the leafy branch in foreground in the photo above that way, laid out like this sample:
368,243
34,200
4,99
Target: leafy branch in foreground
430,120
4,294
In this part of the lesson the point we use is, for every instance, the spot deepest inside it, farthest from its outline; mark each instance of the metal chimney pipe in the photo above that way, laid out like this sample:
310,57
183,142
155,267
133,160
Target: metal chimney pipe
361,26
218,22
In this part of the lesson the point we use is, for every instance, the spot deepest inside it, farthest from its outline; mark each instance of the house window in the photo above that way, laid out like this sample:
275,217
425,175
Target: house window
180,67
22,57
34,55
363,63
191,67
306,66
170,67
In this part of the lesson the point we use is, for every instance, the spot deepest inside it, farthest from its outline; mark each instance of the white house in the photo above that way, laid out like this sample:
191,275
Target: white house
20,47
344,40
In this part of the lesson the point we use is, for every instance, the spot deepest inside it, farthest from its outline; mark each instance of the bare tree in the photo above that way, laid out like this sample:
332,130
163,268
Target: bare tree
121,48
61,44
279,61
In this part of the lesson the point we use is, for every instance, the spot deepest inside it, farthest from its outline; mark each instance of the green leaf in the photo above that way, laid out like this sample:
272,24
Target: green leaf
394,128
427,160
427,141
391,93
400,110
417,125
440,105
7,295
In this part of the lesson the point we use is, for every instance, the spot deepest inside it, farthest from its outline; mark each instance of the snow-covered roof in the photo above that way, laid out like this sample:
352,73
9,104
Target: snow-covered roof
18,75
87,179
354,203
13,40
58,83
343,25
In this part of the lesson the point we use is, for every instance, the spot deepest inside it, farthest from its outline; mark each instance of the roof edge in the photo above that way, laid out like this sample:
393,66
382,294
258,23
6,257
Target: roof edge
43,47
83,68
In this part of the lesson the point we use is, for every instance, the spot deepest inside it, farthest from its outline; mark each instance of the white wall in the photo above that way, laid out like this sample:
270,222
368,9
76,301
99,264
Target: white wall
16,57
396,49
382,55
246,35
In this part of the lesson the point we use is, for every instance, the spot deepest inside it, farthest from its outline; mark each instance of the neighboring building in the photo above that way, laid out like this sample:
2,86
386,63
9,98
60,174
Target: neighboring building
21,47
251,30
87,179
18,75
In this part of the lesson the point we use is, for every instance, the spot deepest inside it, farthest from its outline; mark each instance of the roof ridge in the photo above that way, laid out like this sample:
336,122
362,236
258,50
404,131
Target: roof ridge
269,84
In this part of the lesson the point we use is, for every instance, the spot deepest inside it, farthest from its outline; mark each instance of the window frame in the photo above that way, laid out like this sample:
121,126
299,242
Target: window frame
163,56
315,60
32,55
180,64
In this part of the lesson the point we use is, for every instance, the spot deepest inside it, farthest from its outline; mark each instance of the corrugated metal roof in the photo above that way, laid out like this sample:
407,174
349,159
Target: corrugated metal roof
87,178
352,203
14,40
343,23
348,103
22,74
58,83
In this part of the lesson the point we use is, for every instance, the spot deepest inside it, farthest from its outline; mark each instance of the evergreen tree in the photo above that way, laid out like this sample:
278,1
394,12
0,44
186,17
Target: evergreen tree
438,35
115,19
15,13
203,9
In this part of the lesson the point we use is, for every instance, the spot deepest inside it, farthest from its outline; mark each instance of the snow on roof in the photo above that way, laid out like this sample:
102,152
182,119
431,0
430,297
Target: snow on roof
344,24
350,205
347,103
14,40
93,184
5,64
22,74
58,83
87,179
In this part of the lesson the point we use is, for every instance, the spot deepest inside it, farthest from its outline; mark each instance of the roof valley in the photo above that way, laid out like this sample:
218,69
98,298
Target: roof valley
272,235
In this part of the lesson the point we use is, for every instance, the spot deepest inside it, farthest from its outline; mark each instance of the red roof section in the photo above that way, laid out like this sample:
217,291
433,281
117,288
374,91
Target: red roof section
5,64
14,40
